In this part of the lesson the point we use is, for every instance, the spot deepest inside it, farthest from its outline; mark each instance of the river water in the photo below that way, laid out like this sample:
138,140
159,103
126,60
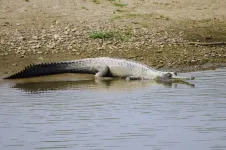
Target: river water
114,114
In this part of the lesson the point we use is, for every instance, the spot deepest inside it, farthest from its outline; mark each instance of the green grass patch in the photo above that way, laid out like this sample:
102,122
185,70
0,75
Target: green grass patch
141,16
134,15
84,8
131,15
123,36
96,1
102,35
117,17
120,4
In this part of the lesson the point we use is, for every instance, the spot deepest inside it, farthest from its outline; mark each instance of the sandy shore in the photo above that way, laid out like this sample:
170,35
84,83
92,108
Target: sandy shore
158,33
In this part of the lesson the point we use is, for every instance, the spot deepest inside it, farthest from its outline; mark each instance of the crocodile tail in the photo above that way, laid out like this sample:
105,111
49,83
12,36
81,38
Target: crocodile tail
36,70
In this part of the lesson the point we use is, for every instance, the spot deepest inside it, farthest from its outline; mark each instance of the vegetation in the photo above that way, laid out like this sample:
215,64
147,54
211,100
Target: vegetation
120,4
102,35
96,1
114,2
123,36
84,8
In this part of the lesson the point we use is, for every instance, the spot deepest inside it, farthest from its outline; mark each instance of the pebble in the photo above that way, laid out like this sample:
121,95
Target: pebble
35,37
56,36
21,38
19,48
39,52
66,32
213,55
23,52
73,30
159,51
35,46
205,55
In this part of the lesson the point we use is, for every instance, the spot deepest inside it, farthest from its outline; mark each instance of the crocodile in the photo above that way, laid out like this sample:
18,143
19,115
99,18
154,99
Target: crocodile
100,67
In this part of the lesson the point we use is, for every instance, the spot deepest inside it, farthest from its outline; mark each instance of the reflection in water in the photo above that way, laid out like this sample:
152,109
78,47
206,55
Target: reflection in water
71,81
80,113
115,84
50,86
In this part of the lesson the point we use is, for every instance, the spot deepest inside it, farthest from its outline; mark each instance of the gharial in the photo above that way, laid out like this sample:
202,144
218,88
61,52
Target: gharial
101,67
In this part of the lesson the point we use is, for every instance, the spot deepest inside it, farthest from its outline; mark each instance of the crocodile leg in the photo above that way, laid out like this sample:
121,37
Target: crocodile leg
103,71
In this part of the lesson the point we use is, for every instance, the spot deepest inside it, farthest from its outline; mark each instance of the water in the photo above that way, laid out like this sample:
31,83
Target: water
88,115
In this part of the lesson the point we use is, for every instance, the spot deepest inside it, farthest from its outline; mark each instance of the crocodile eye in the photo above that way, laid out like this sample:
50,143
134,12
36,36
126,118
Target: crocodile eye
168,75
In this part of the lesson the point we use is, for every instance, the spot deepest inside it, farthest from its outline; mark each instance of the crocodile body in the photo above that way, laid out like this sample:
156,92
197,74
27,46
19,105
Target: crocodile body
100,67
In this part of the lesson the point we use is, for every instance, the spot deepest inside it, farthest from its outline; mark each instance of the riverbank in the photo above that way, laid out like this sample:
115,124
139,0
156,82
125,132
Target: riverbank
162,37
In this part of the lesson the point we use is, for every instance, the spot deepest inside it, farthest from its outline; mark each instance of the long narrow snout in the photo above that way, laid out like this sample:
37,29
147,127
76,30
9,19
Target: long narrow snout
173,77
183,78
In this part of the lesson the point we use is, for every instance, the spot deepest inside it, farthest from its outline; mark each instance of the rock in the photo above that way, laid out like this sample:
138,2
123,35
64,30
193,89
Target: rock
2,41
19,48
39,52
23,52
51,46
66,28
161,45
56,36
35,46
32,41
159,51
100,48
69,47
213,55
205,55
21,38
73,30
66,32
35,37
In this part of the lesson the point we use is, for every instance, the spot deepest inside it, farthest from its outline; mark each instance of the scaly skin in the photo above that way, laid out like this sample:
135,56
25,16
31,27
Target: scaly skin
101,67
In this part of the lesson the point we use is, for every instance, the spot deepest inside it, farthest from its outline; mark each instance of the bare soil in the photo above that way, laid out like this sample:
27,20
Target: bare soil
156,32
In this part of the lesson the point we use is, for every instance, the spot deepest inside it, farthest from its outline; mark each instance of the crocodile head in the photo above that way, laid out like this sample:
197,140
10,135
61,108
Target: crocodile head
173,77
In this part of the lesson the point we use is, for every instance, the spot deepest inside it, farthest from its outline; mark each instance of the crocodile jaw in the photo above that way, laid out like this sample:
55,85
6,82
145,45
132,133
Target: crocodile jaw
172,77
